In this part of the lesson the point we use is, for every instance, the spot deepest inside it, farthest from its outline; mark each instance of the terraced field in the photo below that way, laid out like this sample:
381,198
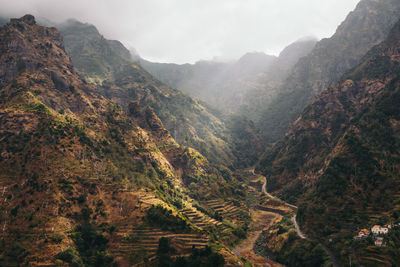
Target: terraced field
148,199
202,220
144,241
199,219
374,258
42,264
226,209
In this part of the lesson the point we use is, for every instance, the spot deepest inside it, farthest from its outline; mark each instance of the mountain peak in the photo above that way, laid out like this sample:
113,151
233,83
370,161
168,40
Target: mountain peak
302,46
256,57
394,34
75,24
32,47
309,38
28,19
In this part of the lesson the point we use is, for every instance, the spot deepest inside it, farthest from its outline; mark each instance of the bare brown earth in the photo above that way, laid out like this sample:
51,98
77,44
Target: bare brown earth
64,152
262,220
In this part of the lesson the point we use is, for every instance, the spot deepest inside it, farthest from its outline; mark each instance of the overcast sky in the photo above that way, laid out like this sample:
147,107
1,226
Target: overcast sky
189,30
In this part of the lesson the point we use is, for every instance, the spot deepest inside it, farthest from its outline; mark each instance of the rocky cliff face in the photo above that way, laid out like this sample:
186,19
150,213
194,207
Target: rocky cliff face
363,28
74,167
340,157
19,53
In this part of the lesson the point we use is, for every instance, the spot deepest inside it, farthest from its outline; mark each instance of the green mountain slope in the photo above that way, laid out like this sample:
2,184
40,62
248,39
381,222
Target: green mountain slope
221,84
242,86
363,28
340,160
190,122
76,170
98,57
257,98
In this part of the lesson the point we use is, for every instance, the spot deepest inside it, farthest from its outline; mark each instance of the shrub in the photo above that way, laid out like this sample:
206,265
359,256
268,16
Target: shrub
71,256
18,253
57,238
160,216
91,245
38,108
14,211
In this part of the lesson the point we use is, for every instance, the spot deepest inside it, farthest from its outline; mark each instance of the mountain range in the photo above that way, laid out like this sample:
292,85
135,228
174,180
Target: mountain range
74,164
339,159
365,27
109,159
109,64
243,86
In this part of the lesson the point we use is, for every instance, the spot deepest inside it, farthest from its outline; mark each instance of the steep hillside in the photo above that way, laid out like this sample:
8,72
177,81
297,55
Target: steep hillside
293,52
190,122
98,57
217,83
340,159
257,98
363,28
76,171
3,21
241,86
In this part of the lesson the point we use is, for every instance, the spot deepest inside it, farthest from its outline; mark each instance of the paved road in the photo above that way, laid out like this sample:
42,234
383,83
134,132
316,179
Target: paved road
264,189
299,232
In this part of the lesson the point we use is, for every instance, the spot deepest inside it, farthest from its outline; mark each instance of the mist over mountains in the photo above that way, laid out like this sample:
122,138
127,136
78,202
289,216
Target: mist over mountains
109,159
230,86
188,31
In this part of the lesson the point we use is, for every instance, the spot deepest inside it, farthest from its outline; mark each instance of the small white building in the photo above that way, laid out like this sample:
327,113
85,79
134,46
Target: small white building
380,242
363,233
377,229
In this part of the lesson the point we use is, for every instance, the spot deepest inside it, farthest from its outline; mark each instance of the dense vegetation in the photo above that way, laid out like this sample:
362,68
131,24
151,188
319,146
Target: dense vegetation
299,252
190,122
91,248
198,257
327,62
98,154
282,243
160,216
339,161
85,158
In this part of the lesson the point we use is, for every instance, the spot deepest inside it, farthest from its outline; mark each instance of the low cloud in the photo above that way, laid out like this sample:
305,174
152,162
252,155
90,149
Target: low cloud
189,30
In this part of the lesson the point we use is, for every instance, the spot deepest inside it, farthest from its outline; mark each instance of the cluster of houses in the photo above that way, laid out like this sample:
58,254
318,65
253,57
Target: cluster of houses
377,234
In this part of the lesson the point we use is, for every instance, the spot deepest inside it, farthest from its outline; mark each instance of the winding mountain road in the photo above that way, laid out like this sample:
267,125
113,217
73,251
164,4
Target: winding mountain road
299,232
264,190
296,225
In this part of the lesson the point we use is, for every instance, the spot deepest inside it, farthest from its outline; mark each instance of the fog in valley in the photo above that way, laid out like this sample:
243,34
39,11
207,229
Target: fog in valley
200,133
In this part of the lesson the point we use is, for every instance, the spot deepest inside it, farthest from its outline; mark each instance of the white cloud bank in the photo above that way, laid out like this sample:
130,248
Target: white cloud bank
189,30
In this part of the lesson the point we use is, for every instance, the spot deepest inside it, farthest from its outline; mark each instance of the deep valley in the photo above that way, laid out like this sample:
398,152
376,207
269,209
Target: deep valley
110,159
